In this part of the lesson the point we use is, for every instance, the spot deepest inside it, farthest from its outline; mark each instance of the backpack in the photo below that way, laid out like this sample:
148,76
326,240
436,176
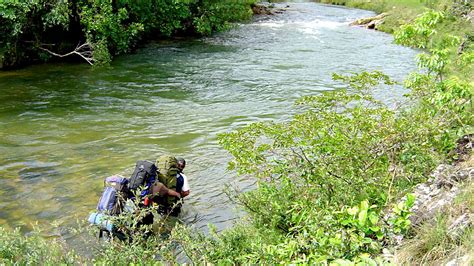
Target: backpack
167,173
143,175
114,196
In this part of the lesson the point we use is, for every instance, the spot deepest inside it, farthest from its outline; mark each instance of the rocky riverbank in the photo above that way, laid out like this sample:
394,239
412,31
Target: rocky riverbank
265,8
371,22
442,215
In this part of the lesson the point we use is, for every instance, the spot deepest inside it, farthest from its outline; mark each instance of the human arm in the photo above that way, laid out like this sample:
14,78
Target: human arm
159,189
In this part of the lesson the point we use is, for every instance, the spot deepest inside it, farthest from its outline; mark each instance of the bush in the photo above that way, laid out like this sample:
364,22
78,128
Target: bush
216,15
16,248
38,29
327,177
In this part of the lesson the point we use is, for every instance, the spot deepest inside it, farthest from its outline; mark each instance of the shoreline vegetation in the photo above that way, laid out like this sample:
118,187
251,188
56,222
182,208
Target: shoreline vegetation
336,183
96,31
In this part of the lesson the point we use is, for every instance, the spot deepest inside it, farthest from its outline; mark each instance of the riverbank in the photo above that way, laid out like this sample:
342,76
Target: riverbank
325,178
442,217
96,31
459,22
324,188
397,12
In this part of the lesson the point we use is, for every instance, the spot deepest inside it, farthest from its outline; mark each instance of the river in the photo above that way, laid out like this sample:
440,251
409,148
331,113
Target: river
65,127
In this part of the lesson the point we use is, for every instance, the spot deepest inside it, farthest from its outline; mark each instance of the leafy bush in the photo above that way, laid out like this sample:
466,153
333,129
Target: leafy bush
37,29
16,248
346,147
327,177
24,23
216,15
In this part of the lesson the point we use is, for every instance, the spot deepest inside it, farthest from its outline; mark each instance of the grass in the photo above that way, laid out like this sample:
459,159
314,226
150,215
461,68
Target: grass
434,243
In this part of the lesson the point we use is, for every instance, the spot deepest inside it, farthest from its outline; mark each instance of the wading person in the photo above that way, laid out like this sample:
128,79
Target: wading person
182,185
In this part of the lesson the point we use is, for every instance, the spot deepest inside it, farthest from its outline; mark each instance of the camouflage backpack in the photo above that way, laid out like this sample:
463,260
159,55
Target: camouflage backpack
167,171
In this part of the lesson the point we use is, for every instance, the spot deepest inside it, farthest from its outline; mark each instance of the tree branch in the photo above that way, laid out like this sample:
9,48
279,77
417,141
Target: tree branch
83,50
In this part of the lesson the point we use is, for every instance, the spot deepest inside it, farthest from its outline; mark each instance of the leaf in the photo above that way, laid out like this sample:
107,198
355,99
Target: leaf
379,235
353,211
364,205
373,218
410,200
374,228
346,222
362,217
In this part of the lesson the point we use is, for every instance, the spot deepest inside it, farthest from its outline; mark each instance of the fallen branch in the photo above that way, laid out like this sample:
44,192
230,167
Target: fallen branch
83,50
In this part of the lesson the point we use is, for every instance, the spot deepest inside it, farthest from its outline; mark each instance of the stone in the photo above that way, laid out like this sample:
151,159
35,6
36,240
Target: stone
371,22
464,260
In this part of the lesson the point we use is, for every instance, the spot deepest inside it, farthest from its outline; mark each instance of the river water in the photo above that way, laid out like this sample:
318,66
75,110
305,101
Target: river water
65,127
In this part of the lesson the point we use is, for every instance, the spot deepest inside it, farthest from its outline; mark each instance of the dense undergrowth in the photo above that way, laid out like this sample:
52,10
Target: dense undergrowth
329,177
40,30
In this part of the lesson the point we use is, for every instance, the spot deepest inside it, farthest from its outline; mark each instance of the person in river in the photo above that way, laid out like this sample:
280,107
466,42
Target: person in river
182,185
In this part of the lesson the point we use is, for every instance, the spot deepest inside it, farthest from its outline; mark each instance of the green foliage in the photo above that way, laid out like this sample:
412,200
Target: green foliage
25,24
332,235
216,15
400,222
420,32
58,16
139,245
158,16
15,248
110,27
339,151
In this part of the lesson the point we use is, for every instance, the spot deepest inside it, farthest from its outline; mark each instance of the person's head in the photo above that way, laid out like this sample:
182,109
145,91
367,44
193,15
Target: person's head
181,164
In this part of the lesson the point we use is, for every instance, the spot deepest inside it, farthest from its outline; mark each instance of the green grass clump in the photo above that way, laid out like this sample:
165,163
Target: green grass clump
434,242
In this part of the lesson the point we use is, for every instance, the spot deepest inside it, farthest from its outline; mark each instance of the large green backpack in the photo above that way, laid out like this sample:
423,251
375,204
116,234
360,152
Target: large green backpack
167,171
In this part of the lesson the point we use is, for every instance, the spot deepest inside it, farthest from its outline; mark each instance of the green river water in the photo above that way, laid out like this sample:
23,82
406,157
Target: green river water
65,127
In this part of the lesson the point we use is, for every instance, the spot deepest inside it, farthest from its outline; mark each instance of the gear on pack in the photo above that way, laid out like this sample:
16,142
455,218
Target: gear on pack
144,175
167,172
114,196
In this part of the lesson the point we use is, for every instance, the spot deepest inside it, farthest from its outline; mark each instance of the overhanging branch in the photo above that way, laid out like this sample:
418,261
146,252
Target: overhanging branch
83,50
